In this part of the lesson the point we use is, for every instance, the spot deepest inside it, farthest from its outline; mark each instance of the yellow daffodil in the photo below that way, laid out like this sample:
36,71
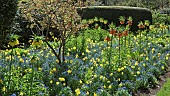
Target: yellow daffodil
80,81
71,61
3,89
111,74
51,81
87,93
21,94
21,60
94,94
64,84
77,55
74,48
40,69
61,79
57,83
162,67
120,85
57,61
166,58
132,67
138,72
69,71
110,86
87,50
54,69
136,63
95,75
119,69
77,91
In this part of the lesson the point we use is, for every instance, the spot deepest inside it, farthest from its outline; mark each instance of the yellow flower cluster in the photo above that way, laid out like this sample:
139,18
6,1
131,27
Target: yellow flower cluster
163,26
37,43
61,79
77,91
21,60
13,43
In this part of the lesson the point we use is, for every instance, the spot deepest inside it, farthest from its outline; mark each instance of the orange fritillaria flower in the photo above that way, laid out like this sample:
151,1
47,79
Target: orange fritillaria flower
119,35
129,22
107,39
122,22
112,31
141,26
125,33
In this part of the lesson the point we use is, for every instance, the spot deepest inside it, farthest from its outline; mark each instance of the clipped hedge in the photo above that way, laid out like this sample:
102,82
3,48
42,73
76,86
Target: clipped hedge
112,13
8,9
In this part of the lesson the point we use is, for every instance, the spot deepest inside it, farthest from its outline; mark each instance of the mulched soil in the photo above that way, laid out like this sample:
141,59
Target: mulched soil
154,90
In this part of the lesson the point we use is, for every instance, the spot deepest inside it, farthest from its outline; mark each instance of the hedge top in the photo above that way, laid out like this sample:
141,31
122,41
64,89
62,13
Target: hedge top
115,7
112,13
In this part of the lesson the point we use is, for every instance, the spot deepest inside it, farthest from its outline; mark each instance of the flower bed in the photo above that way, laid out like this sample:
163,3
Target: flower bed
96,63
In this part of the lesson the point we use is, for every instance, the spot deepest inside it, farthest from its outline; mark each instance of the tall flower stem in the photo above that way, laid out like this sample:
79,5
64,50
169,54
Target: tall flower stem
129,43
10,70
125,41
76,44
110,52
140,42
32,79
119,51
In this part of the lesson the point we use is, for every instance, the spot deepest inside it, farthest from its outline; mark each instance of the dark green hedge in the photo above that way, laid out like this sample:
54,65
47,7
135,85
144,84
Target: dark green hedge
112,13
8,9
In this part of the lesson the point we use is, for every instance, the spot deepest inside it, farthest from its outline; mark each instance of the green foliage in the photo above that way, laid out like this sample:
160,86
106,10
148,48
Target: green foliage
165,90
151,4
92,60
165,11
122,93
158,18
8,10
